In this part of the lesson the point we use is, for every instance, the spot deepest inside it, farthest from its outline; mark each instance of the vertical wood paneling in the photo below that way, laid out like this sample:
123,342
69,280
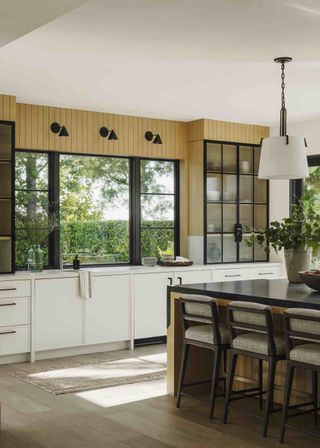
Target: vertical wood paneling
84,137
7,107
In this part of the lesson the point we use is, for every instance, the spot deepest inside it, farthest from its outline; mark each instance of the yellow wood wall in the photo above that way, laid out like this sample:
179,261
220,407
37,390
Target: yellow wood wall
7,107
181,141
33,132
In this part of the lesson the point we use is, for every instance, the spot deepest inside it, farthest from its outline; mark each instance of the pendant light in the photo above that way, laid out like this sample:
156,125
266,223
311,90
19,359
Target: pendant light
283,157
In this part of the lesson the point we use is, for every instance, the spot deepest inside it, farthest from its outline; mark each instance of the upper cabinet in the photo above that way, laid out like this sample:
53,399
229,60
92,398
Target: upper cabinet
235,202
6,196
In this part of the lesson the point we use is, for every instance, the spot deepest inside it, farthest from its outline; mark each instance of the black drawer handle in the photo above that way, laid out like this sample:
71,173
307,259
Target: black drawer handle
7,304
266,273
232,275
8,289
170,280
180,280
8,332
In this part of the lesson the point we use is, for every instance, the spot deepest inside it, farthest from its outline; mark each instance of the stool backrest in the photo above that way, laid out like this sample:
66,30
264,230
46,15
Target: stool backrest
253,318
201,309
301,325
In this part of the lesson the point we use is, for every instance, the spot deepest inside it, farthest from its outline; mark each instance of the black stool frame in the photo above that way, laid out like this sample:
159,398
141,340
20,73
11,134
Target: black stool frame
272,358
218,348
292,336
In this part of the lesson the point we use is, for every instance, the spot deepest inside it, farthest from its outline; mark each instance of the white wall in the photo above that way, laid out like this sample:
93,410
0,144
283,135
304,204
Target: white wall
279,189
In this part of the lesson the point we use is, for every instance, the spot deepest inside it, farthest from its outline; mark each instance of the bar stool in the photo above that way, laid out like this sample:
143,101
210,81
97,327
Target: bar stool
208,333
302,332
252,336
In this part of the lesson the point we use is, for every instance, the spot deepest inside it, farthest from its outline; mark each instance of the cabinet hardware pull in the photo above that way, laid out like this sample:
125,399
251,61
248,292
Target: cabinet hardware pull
266,273
232,275
8,289
180,280
7,304
170,280
8,332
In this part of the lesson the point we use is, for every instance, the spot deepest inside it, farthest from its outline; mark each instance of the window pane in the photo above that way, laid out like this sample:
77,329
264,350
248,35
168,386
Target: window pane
213,157
94,209
214,249
157,176
214,187
213,218
25,240
31,208
31,171
229,249
157,199
260,190
157,210
230,158
155,241
246,188
246,159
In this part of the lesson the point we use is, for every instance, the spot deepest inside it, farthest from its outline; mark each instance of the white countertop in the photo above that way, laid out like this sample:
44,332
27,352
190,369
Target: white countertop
128,270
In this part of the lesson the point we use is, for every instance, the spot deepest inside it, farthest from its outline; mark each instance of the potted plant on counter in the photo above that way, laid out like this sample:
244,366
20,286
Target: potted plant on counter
298,235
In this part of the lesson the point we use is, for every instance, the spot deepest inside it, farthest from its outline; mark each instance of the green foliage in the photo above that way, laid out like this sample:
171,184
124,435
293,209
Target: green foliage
301,229
108,241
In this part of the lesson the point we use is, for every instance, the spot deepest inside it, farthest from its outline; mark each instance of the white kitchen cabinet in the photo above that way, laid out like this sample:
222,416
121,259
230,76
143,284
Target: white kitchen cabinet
107,312
58,313
188,277
150,304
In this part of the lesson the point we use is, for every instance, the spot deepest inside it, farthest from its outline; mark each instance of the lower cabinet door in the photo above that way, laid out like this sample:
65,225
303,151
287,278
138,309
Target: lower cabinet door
150,304
107,313
58,313
14,340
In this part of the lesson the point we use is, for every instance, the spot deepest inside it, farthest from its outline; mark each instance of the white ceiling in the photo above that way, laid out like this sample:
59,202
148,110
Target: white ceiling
176,59
18,17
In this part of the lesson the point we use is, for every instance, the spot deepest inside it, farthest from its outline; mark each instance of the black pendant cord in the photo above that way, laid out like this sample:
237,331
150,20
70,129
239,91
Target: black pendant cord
283,111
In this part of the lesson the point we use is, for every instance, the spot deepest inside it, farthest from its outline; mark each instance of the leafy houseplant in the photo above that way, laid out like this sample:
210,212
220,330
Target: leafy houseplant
298,235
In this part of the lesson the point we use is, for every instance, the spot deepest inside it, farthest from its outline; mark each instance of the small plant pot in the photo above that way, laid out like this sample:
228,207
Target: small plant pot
297,260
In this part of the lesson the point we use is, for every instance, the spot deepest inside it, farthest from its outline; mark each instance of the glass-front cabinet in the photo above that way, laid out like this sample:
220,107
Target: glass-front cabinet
6,196
236,202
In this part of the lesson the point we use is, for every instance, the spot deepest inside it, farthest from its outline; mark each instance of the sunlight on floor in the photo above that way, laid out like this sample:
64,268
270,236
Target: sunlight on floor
128,393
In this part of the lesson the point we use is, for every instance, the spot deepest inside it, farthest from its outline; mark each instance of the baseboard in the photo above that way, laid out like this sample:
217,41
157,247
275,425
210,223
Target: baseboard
13,359
150,341
82,350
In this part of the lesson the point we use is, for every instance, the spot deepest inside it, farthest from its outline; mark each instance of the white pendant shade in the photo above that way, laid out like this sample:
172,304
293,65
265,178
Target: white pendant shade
280,160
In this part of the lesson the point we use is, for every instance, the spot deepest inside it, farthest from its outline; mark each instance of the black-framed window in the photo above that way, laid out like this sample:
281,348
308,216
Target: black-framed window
158,206
32,199
112,210
297,187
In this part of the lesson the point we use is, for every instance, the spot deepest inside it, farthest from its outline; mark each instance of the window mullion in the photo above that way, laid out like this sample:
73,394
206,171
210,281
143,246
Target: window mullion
135,211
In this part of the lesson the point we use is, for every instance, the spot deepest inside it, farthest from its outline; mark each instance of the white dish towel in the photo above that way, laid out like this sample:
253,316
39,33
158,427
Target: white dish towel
85,279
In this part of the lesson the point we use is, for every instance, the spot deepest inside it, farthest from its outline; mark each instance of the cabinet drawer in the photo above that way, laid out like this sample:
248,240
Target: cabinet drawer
14,340
264,272
14,311
16,288
228,275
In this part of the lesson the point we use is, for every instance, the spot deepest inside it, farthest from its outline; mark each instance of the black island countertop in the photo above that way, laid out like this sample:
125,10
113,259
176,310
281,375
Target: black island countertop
277,292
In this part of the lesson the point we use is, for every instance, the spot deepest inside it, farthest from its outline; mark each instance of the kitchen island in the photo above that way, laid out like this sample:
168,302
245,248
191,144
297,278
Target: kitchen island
278,294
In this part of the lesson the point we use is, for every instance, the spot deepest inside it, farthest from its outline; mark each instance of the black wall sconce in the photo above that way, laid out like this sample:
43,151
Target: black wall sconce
154,138
56,128
104,132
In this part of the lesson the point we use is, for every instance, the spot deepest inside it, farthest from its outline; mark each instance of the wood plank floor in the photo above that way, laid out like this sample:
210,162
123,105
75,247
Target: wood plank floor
32,417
